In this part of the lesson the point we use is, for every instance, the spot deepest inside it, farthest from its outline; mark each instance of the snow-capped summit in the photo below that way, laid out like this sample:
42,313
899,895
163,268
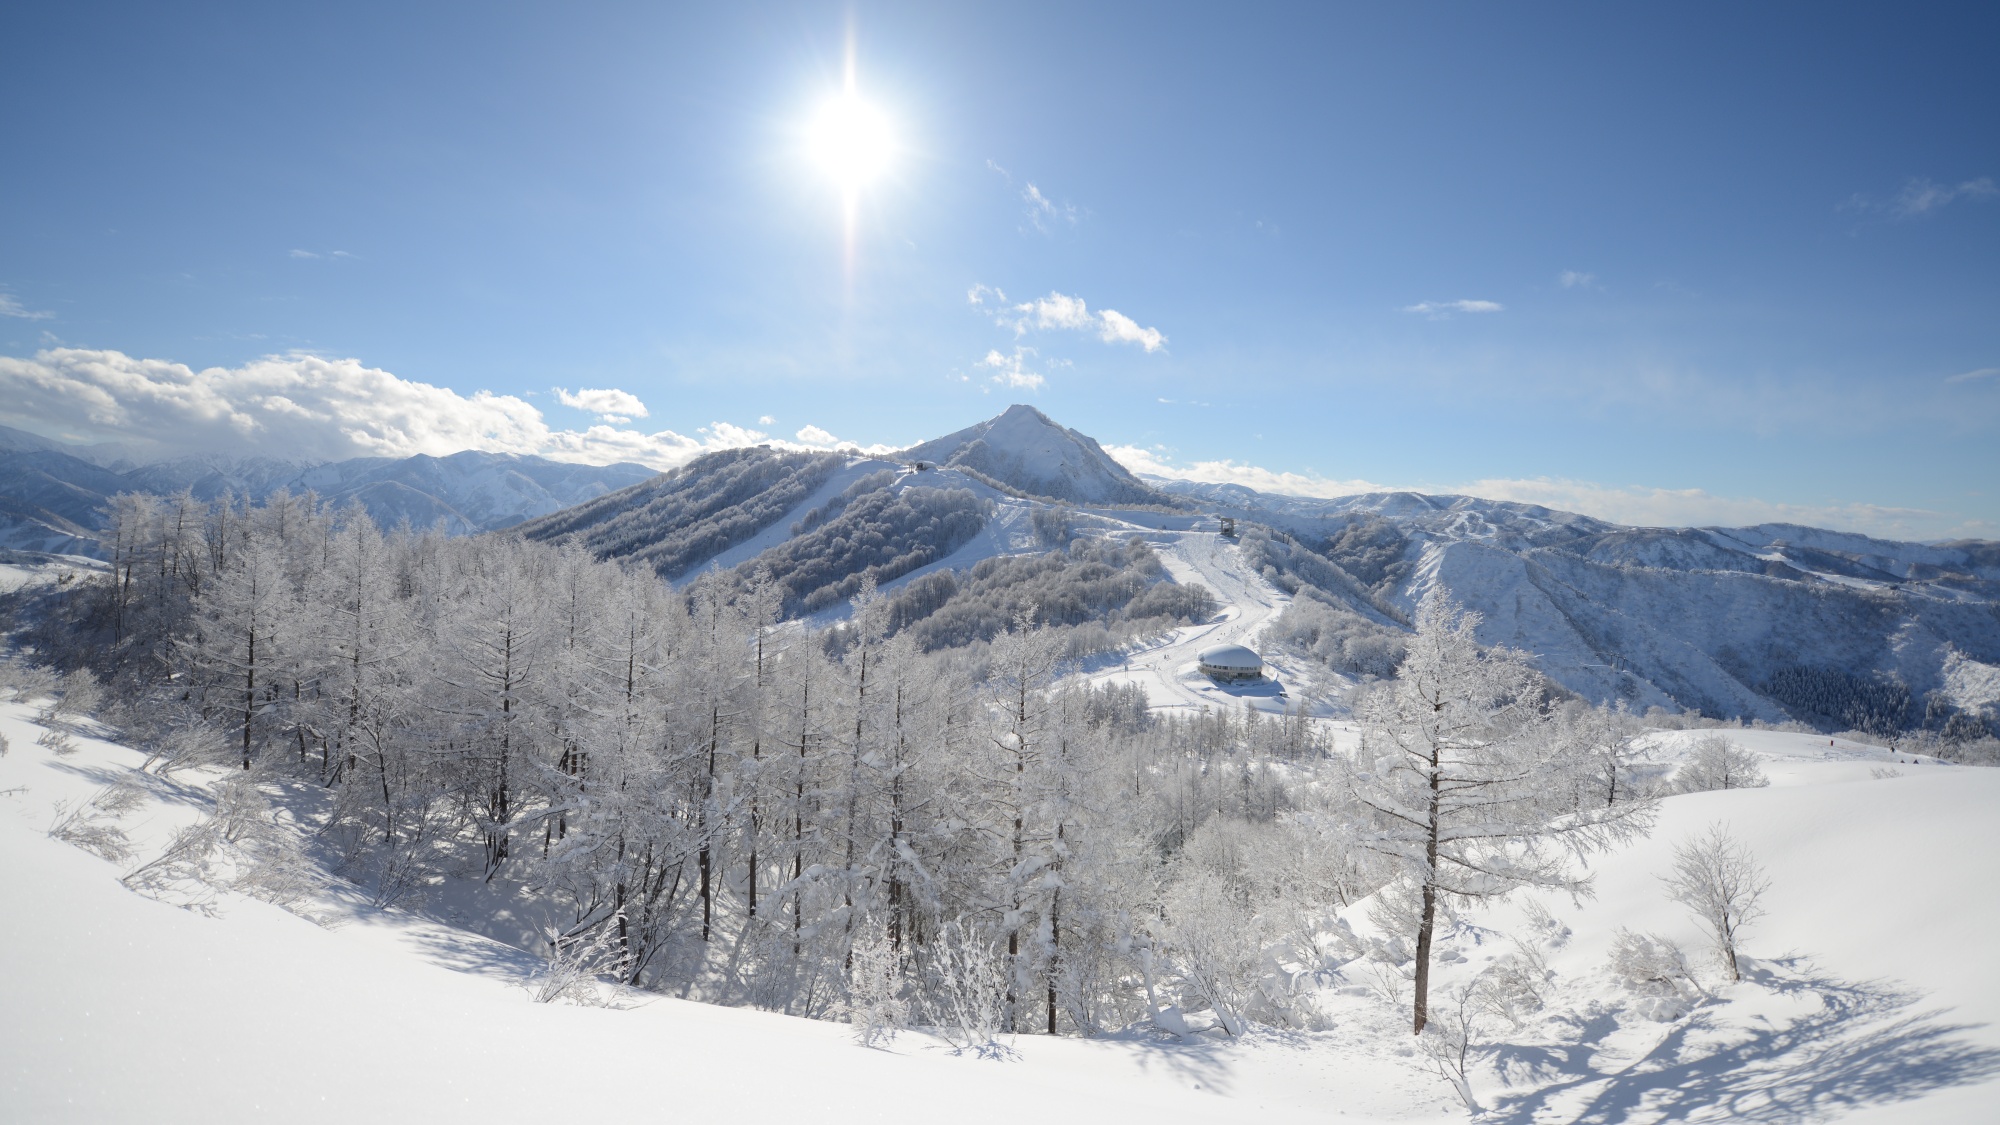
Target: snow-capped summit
1023,448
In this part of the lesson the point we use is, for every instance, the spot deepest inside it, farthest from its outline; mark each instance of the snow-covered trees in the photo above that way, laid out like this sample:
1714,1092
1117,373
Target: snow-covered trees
1470,790
1718,880
1715,762
704,800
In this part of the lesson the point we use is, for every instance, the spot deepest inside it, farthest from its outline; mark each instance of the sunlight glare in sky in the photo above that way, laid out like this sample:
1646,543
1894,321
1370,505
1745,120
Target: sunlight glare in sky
851,141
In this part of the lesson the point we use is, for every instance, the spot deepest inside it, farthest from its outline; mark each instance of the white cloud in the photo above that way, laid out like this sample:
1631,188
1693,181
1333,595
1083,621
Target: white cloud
302,254
766,420
1922,196
608,403
11,306
1045,212
311,408
1438,310
1062,312
1011,370
813,435
1973,376
1634,505
1153,462
1119,328
1576,279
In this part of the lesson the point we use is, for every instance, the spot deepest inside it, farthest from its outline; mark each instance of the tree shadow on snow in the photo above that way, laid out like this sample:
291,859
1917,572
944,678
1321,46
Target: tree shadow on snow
1865,1044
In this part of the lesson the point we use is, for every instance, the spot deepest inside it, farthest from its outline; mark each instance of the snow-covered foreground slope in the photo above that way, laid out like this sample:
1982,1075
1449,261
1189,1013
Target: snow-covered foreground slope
1870,996
121,1008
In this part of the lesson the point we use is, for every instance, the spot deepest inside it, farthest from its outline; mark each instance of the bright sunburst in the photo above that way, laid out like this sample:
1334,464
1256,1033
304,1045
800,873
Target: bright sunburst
851,141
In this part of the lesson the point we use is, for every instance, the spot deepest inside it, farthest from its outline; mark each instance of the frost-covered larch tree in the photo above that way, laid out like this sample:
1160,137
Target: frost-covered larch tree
1466,783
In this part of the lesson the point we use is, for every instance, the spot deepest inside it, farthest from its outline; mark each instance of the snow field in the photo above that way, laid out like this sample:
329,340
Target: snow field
122,1008
1868,999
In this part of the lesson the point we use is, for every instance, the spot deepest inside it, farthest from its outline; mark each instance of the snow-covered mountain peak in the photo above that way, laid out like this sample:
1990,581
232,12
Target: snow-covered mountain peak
1025,449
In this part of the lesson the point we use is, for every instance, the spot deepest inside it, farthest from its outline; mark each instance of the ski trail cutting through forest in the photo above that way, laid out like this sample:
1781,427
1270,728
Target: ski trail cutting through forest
1247,604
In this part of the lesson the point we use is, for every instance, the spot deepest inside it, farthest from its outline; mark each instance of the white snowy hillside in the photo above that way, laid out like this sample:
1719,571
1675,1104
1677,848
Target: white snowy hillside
173,949
1775,622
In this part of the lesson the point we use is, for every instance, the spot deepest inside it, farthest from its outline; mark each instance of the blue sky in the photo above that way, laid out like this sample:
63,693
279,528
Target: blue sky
1708,263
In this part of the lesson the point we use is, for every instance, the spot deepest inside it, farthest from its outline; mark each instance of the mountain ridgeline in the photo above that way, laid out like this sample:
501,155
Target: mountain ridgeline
55,498
1776,622
1018,518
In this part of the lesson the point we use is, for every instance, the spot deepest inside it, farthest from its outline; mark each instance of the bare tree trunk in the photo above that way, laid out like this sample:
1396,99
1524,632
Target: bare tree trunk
1428,925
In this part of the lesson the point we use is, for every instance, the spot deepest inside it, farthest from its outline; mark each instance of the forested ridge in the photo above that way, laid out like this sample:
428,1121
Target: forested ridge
684,518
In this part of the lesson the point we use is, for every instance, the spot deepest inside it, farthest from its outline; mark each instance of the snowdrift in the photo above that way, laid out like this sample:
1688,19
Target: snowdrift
1868,994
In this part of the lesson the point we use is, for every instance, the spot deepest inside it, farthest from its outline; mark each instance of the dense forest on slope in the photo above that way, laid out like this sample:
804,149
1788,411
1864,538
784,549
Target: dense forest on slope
681,519
1120,588
878,536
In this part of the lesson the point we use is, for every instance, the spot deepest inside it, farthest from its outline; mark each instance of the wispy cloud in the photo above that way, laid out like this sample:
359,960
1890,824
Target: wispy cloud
1633,505
608,403
1060,311
1439,310
1576,279
1046,213
1921,196
766,420
11,306
1973,376
1011,370
308,254
312,408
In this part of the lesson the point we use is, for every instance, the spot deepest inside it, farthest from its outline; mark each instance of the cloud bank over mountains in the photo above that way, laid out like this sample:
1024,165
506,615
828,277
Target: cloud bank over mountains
312,408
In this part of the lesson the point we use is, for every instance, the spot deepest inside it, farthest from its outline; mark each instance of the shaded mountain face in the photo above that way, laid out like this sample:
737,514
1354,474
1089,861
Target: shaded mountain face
1026,451
52,500
678,520
1776,622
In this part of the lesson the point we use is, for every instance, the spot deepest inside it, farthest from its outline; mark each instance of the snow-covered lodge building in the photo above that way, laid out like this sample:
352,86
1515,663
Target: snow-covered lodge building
1230,662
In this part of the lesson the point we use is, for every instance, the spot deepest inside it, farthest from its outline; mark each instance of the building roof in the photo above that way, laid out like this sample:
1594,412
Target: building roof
1230,656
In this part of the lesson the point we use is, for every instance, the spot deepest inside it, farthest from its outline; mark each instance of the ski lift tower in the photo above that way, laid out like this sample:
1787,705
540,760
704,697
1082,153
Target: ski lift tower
1228,526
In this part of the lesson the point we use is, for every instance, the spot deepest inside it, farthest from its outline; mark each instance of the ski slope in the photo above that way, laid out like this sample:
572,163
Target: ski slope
1246,603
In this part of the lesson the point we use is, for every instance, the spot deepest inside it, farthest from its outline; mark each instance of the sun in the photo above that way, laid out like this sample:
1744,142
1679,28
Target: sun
851,141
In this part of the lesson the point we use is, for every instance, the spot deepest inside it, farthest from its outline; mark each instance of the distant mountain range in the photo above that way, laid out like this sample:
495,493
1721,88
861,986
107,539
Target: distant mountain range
1771,622
52,495
1775,622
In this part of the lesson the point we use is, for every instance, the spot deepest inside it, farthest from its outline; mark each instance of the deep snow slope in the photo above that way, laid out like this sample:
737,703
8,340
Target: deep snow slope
121,1008
1868,996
